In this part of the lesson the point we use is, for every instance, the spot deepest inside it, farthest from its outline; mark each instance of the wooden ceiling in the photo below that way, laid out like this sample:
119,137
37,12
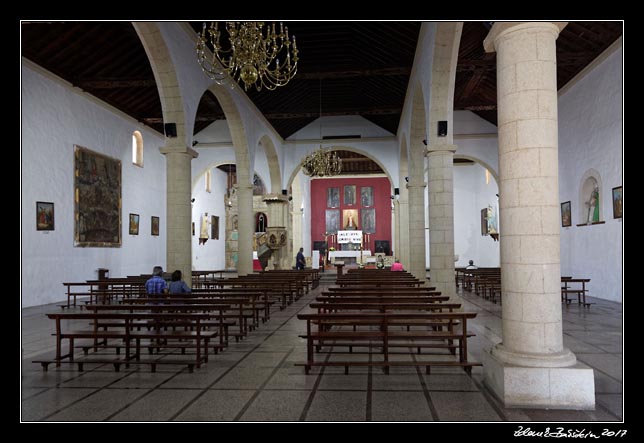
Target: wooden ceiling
362,69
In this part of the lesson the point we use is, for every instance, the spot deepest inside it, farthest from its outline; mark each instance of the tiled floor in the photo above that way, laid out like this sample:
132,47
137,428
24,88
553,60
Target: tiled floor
255,380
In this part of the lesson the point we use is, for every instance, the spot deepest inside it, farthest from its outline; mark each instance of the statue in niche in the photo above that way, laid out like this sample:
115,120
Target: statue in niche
593,206
203,229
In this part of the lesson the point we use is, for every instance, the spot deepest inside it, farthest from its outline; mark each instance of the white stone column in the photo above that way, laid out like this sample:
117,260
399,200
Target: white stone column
402,253
441,218
179,210
246,226
396,224
416,192
531,368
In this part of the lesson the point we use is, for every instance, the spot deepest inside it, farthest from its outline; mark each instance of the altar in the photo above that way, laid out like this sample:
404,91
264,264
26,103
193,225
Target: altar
349,256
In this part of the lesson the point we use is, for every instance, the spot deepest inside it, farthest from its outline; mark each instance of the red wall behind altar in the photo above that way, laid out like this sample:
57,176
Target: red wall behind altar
381,199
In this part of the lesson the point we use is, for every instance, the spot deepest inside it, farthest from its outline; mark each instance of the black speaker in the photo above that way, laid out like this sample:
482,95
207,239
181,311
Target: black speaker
442,128
170,129
396,191
284,192
383,246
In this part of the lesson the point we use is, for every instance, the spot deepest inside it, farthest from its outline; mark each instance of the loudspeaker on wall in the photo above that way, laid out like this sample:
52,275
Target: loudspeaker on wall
170,129
442,128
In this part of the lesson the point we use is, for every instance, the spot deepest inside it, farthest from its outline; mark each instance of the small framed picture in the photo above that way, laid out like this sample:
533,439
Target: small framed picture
193,228
44,216
565,215
214,227
134,224
617,203
155,225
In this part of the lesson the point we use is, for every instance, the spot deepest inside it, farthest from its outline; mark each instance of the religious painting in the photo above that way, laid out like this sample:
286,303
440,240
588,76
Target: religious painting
155,225
368,218
349,194
44,216
332,220
350,219
134,224
366,195
97,199
617,202
484,230
333,197
566,217
214,227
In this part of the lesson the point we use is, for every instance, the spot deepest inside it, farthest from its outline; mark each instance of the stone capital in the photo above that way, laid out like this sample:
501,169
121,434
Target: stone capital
501,30
440,147
275,198
178,150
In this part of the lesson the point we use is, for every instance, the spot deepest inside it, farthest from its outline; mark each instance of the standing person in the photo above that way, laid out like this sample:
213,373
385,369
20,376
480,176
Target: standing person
300,262
156,285
178,286
397,266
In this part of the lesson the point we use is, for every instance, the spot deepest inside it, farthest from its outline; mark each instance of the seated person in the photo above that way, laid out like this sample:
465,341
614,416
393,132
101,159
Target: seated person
397,266
156,285
178,286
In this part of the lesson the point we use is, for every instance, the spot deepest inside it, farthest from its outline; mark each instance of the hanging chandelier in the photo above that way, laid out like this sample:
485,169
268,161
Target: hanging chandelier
248,55
322,163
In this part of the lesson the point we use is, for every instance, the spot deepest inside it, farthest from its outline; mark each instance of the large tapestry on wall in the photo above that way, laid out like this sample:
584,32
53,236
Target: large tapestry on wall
97,199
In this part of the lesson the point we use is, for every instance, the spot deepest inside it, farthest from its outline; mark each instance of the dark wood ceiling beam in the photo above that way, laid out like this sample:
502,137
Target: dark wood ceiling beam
115,83
404,70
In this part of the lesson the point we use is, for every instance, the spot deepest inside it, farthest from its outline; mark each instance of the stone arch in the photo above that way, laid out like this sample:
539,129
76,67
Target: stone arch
345,148
482,163
164,74
446,43
589,180
273,163
403,166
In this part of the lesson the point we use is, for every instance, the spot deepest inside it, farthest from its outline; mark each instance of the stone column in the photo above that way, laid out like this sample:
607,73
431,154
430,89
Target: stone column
402,253
396,243
441,218
416,191
277,206
246,226
531,368
179,210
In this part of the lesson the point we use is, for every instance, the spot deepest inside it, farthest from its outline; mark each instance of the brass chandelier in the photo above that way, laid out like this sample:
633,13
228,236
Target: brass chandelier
248,54
322,163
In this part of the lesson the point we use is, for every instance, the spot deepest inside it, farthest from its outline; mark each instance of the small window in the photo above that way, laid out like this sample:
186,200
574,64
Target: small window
137,149
208,180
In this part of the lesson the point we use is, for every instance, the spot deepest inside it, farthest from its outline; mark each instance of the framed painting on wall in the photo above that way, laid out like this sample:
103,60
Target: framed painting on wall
155,225
193,228
484,230
350,219
214,227
368,218
349,194
617,202
333,197
97,199
566,218
366,196
44,216
332,220
134,224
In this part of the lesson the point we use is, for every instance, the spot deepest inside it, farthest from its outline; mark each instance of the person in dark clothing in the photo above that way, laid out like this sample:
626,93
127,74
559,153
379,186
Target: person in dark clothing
300,262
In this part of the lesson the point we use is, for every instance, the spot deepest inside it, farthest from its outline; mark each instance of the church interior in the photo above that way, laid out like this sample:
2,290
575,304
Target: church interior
330,221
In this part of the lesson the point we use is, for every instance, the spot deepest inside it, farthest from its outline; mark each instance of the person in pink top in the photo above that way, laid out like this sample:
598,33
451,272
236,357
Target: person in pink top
397,266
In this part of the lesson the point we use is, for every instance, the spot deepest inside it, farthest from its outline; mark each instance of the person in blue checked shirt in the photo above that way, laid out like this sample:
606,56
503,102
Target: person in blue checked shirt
156,285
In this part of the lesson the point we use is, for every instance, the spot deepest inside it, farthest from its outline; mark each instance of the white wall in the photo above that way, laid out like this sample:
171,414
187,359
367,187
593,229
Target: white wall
212,255
55,117
471,194
590,137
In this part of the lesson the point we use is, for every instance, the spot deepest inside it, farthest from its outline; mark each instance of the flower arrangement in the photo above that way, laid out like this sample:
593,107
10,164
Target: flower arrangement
331,249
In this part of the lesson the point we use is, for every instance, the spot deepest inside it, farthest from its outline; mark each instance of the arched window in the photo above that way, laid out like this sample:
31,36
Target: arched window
137,149
208,180
261,222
